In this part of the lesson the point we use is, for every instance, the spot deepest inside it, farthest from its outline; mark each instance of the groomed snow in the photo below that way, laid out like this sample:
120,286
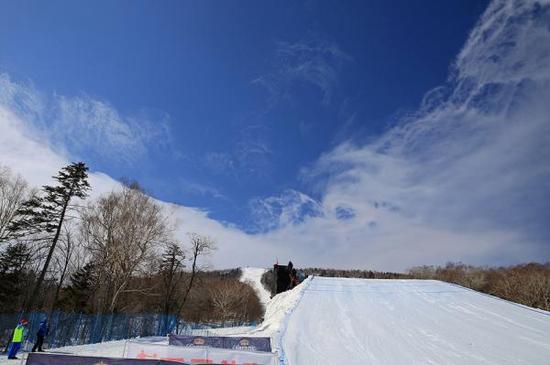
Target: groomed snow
253,276
357,321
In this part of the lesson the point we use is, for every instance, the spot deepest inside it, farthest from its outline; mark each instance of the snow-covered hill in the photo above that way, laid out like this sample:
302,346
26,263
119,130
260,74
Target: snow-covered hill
253,275
358,321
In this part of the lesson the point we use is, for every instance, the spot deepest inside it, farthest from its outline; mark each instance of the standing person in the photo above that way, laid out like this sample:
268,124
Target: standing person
293,278
43,330
289,269
18,337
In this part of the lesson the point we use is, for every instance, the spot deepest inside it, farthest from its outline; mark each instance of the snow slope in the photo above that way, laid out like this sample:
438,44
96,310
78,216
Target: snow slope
358,321
253,275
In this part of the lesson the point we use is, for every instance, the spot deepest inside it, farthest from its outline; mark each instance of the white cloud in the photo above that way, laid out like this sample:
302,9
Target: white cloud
83,125
468,174
290,208
25,147
466,177
313,61
195,188
250,157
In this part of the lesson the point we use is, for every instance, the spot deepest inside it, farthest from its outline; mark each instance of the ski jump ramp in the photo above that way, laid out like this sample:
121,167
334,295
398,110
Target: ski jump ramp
360,321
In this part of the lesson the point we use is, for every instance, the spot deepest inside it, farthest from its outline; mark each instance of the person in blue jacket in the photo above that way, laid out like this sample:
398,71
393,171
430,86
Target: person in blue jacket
43,330
18,336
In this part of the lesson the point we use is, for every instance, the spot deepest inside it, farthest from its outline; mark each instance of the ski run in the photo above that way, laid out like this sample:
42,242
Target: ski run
373,321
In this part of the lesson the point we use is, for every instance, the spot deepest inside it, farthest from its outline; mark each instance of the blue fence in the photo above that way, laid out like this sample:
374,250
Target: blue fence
76,329
67,329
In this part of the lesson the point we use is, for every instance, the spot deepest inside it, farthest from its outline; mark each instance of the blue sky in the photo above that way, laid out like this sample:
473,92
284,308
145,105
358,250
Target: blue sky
225,80
379,129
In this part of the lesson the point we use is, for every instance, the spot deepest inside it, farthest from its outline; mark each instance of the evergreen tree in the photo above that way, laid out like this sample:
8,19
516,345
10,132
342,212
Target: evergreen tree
81,288
46,213
13,262
171,270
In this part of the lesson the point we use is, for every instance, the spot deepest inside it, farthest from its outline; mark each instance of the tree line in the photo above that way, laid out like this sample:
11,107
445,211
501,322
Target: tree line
527,284
116,253
268,277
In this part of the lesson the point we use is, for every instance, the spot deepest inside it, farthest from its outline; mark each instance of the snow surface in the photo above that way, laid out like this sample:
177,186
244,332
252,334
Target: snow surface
277,313
359,321
253,276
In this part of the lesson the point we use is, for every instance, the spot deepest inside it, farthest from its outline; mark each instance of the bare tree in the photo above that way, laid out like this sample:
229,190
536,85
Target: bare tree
13,193
528,284
120,231
200,246
234,301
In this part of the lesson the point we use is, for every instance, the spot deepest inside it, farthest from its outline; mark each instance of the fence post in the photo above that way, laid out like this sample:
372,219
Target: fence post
109,328
97,323
54,324
160,319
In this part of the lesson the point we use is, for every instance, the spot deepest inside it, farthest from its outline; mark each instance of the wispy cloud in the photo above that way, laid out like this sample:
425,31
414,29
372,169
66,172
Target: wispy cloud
250,157
87,125
314,61
195,188
84,126
290,208
466,177
26,148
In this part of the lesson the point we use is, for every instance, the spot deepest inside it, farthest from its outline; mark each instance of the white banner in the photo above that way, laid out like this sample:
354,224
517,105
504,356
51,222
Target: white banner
197,355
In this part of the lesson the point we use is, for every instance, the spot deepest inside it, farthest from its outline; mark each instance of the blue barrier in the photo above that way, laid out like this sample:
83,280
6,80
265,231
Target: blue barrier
76,329
67,329
225,342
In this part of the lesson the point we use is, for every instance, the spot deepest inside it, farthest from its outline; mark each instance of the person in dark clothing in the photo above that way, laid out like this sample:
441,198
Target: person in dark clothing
291,272
42,332
282,279
293,278
285,277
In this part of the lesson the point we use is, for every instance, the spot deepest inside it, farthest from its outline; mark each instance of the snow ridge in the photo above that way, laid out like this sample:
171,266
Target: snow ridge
282,356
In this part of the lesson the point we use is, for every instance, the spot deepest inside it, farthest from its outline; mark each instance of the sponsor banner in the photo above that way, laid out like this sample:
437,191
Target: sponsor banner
191,341
197,355
236,343
248,343
36,358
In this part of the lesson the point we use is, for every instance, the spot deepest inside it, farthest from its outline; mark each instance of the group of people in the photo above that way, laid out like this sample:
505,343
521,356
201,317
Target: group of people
20,333
286,277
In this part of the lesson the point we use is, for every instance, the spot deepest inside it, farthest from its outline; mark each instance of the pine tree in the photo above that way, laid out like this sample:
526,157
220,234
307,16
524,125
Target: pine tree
46,213
81,287
13,262
171,270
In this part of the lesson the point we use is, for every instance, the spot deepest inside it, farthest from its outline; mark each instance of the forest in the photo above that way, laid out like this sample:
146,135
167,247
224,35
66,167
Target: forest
118,253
